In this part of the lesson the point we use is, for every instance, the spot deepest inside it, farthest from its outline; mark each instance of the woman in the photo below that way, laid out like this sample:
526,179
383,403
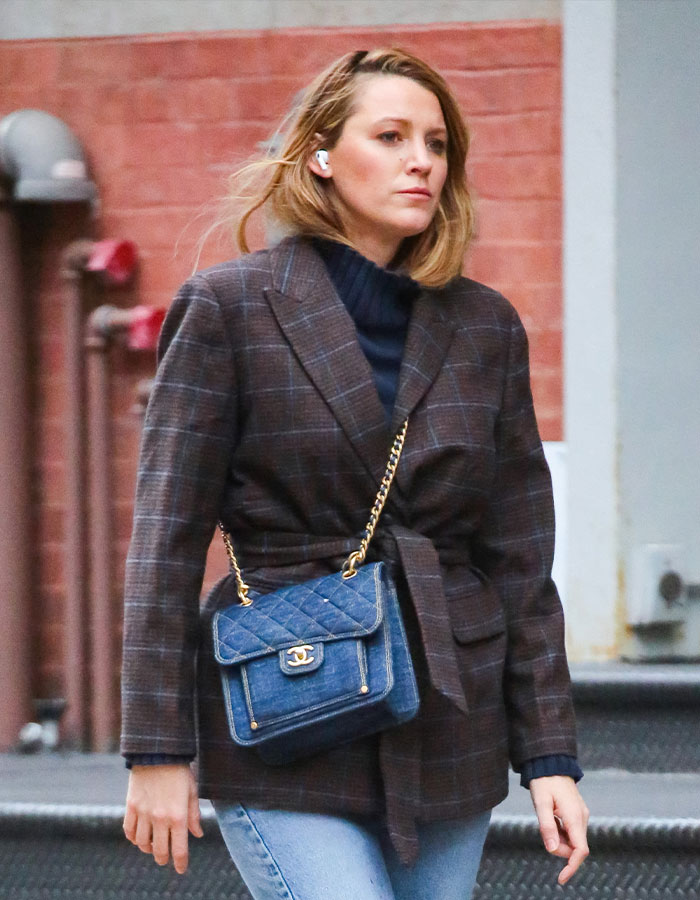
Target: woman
282,378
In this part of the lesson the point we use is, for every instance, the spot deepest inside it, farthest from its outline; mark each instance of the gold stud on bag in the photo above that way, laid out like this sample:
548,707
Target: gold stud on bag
312,665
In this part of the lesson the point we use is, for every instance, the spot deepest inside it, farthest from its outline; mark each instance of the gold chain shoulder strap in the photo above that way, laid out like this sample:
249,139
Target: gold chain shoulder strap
357,557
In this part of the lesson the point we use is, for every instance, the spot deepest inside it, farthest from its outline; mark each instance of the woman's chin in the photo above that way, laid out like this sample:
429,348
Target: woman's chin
410,227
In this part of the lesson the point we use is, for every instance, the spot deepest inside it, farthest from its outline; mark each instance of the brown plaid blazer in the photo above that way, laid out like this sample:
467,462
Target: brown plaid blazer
264,413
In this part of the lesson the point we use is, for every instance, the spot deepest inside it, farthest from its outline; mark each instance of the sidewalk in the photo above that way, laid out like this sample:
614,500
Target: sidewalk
100,780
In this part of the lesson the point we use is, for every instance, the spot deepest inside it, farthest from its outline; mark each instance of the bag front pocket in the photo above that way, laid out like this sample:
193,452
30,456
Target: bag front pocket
282,686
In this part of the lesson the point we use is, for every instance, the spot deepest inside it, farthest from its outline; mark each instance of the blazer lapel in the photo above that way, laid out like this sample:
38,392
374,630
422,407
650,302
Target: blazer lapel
323,337
427,342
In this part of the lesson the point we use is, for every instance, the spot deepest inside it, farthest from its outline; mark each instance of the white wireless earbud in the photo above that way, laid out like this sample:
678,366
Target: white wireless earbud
322,157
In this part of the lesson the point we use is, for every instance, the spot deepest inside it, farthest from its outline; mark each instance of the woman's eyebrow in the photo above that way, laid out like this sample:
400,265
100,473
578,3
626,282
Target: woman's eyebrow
396,120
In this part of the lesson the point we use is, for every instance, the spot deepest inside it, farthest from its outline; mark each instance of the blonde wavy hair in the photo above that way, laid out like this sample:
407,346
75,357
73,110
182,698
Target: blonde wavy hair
302,203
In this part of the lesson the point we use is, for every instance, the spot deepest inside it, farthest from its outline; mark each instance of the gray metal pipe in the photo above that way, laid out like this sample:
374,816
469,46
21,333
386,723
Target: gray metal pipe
15,492
91,618
102,326
43,159
75,617
103,701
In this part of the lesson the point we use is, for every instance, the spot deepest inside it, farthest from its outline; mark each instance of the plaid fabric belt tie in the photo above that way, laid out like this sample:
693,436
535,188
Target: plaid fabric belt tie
399,748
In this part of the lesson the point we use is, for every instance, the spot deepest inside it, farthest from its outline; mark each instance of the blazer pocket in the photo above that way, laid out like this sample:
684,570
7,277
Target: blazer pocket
476,611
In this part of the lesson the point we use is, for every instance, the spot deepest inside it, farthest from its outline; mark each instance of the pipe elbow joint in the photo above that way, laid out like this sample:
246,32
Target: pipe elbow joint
43,159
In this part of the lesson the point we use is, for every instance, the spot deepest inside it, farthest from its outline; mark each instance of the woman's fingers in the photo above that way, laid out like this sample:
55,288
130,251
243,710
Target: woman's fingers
179,846
161,805
160,843
563,820
544,808
193,815
578,855
564,850
576,832
143,835
163,836
129,824
575,860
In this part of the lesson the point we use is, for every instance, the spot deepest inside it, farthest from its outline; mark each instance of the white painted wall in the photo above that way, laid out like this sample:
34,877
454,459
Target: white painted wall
74,18
658,291
632,311
590,327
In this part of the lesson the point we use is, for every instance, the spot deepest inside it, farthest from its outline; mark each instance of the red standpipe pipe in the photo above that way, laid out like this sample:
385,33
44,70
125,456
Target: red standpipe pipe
15,492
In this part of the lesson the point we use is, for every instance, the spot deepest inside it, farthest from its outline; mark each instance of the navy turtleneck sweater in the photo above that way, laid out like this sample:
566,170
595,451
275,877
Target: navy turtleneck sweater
379,302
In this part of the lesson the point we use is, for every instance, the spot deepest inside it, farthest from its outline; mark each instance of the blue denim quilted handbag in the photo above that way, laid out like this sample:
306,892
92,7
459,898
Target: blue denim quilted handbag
316,664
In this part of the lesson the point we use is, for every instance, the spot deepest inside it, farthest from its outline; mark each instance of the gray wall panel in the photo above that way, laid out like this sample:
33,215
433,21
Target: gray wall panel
658,237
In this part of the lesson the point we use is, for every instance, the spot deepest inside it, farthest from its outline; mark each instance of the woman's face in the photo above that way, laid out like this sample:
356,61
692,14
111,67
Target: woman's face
389,165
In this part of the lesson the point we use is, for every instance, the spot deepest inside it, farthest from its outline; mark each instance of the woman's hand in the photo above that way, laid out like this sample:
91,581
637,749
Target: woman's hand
161,806
563,818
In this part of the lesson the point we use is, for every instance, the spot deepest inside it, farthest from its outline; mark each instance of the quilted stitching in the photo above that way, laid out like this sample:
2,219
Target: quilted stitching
324,609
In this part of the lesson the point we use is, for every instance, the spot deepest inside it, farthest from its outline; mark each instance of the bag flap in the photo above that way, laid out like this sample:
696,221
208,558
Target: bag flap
325,609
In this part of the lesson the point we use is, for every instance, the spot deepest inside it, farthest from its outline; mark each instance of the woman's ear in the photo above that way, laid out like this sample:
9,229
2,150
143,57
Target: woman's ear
319,163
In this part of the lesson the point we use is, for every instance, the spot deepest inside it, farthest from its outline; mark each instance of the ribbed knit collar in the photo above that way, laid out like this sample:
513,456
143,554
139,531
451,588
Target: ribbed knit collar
374,296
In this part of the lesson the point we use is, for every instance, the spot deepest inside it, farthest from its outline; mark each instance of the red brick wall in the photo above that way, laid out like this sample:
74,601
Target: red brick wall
164,120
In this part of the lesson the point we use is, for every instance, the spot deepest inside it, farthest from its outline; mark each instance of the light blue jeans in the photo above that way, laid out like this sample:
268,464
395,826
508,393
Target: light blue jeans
308,856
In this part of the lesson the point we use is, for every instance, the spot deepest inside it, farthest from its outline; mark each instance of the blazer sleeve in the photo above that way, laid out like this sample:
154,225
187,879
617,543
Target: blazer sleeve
514,546
186,446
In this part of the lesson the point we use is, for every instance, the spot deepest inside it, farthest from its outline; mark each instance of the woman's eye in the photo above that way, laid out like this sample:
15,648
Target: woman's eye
437,145
389,137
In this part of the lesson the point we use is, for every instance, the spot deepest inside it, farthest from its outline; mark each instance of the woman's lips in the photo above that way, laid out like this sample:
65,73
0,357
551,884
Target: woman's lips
418,193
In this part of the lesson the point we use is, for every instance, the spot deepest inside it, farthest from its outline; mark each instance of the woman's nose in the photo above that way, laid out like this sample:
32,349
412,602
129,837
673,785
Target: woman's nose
419,159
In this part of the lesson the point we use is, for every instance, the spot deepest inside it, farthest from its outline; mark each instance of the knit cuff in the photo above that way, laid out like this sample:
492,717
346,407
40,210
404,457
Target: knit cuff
155,759
542,766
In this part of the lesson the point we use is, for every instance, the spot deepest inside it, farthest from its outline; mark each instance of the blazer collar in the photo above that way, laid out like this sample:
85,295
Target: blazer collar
427,342
323,337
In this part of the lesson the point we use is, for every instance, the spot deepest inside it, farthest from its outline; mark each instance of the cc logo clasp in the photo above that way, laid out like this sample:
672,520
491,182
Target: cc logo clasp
300,655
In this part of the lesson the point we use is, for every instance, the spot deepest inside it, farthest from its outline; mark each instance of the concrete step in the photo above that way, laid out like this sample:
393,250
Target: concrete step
60,837
79,851
641,718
